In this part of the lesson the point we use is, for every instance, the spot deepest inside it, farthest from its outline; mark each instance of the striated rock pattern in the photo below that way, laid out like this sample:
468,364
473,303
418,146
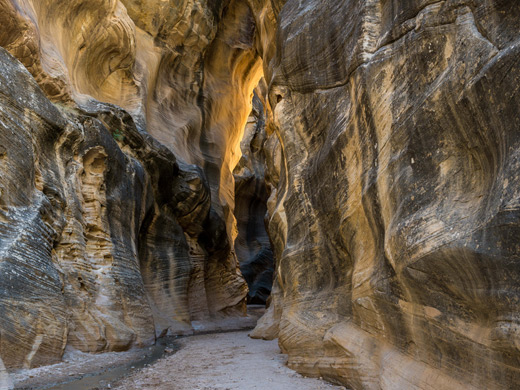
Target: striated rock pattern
94,231
107,239
396,225
390,157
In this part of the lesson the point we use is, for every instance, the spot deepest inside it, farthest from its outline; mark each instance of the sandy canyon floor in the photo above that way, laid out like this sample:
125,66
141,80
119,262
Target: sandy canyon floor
223,361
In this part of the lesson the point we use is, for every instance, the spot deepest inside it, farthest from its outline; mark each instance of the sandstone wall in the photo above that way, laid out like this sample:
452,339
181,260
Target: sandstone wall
396,216
117,189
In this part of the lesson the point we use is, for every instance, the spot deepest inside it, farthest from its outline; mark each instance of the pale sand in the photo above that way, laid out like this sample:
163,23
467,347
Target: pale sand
223,361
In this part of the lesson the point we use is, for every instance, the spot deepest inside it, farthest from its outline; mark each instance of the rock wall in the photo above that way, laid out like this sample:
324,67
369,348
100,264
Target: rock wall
391,164
396,216
119,132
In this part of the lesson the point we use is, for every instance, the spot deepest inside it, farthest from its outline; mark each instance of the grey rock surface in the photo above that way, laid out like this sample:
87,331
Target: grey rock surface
397,209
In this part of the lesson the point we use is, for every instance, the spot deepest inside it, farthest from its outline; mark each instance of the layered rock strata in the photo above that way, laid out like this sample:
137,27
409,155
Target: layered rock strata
96,223
397,214
109,237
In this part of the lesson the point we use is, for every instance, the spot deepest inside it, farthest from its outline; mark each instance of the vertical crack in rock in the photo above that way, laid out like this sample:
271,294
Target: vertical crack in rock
252,245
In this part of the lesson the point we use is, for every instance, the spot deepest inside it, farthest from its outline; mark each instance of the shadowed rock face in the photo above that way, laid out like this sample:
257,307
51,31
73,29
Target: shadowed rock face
95,231
396,227
391,164
70,272
252,245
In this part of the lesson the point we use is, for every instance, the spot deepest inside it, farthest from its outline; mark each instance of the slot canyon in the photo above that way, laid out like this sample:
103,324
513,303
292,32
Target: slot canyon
353,165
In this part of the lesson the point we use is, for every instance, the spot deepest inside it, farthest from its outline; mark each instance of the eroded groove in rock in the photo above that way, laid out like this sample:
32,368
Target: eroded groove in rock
398,265
252,245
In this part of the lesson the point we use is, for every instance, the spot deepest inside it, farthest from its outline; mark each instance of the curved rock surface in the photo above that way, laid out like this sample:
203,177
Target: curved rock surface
107,239
95,227
391,164
397,209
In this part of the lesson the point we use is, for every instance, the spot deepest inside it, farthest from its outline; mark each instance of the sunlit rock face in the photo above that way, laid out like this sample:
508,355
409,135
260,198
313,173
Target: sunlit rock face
396,219
117,198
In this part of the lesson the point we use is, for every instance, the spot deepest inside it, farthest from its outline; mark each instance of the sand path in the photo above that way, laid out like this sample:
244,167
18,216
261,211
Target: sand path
223,361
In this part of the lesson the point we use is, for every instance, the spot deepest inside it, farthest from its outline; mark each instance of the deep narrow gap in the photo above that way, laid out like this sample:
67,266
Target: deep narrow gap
252,245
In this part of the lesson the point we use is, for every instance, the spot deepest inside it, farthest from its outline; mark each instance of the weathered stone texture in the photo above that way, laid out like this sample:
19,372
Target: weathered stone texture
398,257
92,244
107,238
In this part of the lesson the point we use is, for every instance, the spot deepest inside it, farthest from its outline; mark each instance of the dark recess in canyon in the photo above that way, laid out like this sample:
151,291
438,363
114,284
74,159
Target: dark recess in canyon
252,245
